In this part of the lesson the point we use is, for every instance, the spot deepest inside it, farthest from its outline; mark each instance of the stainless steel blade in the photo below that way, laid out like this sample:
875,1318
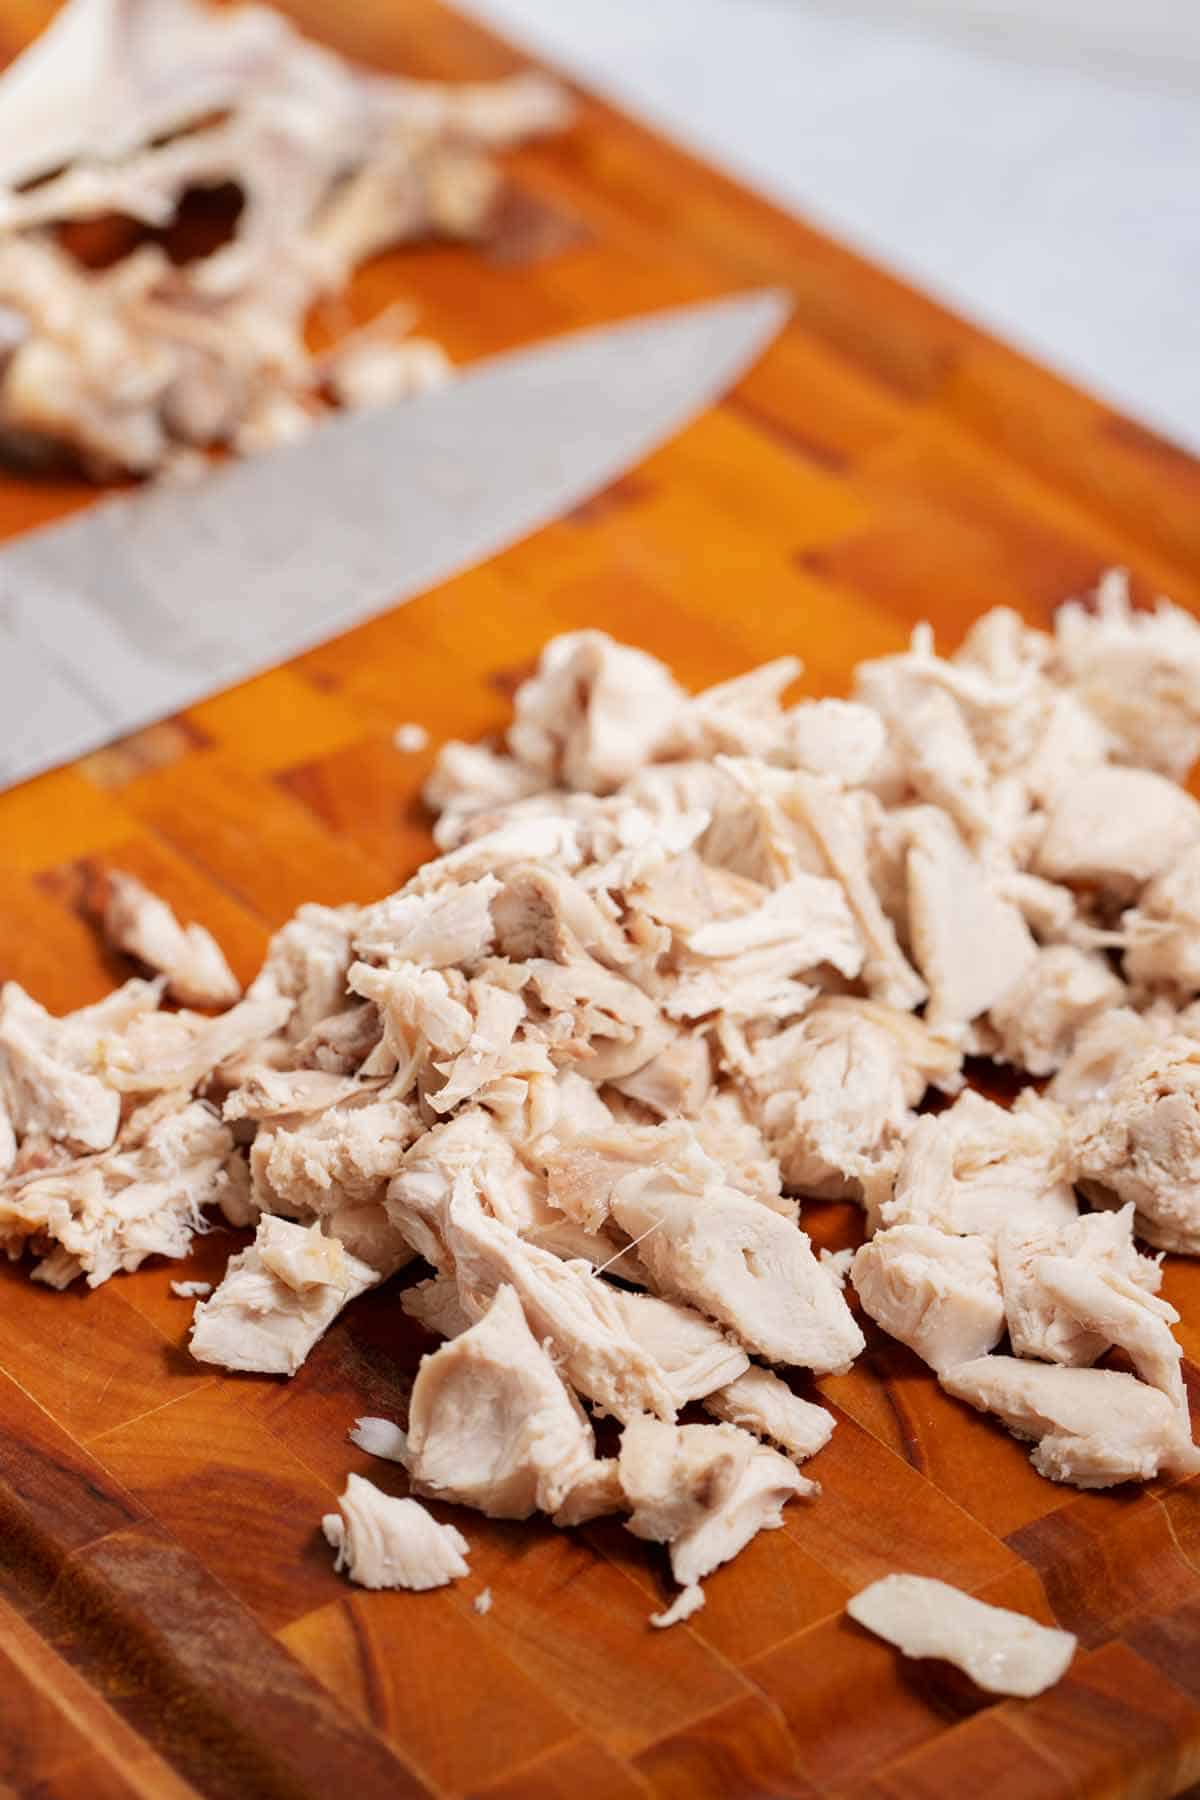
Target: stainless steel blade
145,603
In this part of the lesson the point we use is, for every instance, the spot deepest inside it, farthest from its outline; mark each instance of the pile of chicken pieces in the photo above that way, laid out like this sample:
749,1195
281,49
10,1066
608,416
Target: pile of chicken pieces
123,109
682,964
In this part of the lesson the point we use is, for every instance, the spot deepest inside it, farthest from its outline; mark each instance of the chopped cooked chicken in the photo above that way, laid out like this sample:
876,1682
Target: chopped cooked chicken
277,1298
383,1542
703,1490
54,1074
763,1404
665,967
834,1093
937,1293
492,1423
1138,672
1040,1322
191,1290
1003,1652
143,926
699,1360
740,1263
1141,1142
1092,1427
568,1307
1116,829
975,1168
969,944
593,713
1162,932
143,1197
123,116
1038,1019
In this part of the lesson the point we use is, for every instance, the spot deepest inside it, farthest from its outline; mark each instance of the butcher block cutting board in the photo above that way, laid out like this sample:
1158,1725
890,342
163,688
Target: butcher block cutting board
170,1622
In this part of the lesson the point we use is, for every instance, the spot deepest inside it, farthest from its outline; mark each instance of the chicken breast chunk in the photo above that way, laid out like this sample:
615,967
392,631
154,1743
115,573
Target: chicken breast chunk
741,1264
1003,1652
383,1542
703,1490
277,1298
937,1293
1092,1427
492,1424
141,924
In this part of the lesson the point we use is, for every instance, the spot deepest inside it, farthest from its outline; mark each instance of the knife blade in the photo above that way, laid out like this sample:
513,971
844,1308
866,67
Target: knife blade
145,603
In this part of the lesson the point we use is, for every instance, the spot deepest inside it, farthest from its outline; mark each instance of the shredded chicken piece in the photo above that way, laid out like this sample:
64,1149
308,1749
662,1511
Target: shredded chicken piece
937,1293
383,1542
687,1602
834,1094
1138,672
125,114
742,1264
1116,829
977,1167
143,1197
1038,1019
1041,1322
704,1490
191,1290
138,922
54,1076
491,1423
761,1403
969,944
1162,932
277,1298
1141,1142
1093,1427
1003,1652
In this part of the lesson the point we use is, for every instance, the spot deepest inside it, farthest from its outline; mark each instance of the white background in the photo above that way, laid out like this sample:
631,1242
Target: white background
1035,163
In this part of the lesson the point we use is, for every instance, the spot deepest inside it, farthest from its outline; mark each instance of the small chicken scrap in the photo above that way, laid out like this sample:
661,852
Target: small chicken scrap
117,114
684,968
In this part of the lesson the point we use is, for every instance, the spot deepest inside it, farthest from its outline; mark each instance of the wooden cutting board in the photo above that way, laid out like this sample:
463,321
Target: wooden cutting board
170,1623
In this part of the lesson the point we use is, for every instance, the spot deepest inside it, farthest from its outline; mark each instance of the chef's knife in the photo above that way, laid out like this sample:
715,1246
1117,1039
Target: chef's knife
146,602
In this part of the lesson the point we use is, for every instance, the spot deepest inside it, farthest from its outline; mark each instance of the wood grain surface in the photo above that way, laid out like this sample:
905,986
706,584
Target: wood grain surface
170,1623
